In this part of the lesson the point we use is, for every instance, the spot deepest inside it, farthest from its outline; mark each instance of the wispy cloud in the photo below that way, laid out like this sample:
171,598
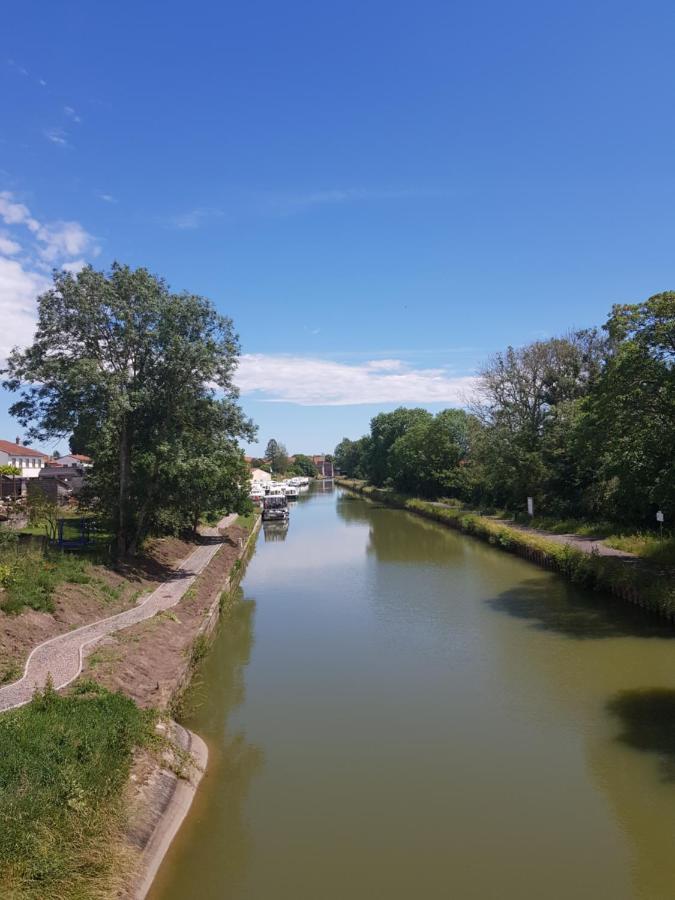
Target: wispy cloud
276,203
192,219
70,112
309,381
57,136
8,247
108,198
284,204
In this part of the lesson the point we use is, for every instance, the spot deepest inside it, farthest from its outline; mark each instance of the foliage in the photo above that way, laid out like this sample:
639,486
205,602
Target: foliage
64,764
142,379
42,511
584,424
277,456
303,465
29,578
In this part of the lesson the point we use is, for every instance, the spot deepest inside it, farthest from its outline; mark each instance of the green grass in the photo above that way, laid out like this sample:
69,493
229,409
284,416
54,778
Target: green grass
29,578
248,521
64,764
581,527
648,546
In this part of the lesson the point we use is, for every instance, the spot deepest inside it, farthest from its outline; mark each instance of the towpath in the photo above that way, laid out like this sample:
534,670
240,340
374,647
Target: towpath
61,656
578,541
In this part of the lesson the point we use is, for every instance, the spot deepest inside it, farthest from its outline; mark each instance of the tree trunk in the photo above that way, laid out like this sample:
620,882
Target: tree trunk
124,487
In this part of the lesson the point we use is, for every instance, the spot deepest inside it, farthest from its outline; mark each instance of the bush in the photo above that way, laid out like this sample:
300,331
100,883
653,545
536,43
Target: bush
29,578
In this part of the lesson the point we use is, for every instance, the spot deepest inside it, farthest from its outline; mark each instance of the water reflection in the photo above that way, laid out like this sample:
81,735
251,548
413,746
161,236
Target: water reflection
323,486
275,531
397,536
555,605
233,763
647,720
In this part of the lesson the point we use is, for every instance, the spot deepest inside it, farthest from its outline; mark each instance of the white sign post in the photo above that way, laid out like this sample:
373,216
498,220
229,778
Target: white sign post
659,519
530,506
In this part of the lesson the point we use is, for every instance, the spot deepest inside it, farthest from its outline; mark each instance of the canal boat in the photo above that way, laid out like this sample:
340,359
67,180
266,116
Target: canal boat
275,508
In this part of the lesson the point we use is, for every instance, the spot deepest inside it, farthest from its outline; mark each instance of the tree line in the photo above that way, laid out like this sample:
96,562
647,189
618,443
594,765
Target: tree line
583,423
277,460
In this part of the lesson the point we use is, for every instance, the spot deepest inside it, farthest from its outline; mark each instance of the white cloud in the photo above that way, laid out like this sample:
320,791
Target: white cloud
60,239
70,112
18,289
8,247
108,198
75,266
22,280
318,382
13,213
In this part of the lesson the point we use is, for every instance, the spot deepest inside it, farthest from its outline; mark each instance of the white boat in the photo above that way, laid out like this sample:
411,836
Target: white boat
292,491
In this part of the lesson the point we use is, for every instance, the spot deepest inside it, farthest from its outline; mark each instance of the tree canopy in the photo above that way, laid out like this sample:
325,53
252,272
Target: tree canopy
141,377
584,423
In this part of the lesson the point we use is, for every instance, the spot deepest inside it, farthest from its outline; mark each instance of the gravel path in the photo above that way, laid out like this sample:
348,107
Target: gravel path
61,656
578,541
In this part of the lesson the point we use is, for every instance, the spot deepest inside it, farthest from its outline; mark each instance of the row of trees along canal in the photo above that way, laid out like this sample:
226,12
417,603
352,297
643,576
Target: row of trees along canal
141,377
278,461
584,424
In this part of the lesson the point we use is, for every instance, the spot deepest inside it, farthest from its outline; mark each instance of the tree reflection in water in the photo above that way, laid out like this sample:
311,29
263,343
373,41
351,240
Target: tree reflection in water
233,762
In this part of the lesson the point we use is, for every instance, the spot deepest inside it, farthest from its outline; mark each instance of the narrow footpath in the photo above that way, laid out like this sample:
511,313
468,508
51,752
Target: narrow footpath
583,543
61,656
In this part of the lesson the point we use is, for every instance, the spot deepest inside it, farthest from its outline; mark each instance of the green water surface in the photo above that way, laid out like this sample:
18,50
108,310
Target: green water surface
394,710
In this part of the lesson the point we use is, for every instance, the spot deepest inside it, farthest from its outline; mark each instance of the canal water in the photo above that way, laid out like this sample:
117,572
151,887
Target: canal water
394,710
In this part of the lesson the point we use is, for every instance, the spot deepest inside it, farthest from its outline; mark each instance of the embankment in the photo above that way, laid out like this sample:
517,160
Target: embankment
632,580
161,797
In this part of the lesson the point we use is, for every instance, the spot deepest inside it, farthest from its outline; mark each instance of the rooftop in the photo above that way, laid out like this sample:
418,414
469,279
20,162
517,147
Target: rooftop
15,449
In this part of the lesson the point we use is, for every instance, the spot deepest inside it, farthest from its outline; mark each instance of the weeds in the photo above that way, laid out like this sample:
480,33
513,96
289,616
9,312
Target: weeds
64,763
29,579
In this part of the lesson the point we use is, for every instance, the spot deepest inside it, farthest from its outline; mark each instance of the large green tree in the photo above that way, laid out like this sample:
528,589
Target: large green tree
142,377
303,465
385,429
427,460
628,430
277,455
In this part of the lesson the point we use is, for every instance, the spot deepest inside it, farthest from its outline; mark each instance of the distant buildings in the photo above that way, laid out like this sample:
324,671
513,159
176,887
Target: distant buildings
76,459
324,466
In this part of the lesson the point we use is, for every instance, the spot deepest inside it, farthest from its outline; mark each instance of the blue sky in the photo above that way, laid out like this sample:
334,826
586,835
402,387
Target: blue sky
379,194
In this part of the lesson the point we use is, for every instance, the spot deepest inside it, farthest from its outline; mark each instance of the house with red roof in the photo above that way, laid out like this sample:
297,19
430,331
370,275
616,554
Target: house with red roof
27,460
76,459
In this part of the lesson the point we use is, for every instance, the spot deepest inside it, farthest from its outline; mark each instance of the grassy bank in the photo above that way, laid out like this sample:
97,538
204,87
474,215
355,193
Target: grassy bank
648,545
64,764
637,583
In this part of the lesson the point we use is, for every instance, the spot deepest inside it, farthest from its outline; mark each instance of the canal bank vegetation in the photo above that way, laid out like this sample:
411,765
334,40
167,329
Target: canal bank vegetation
583,424
64,765
651,588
